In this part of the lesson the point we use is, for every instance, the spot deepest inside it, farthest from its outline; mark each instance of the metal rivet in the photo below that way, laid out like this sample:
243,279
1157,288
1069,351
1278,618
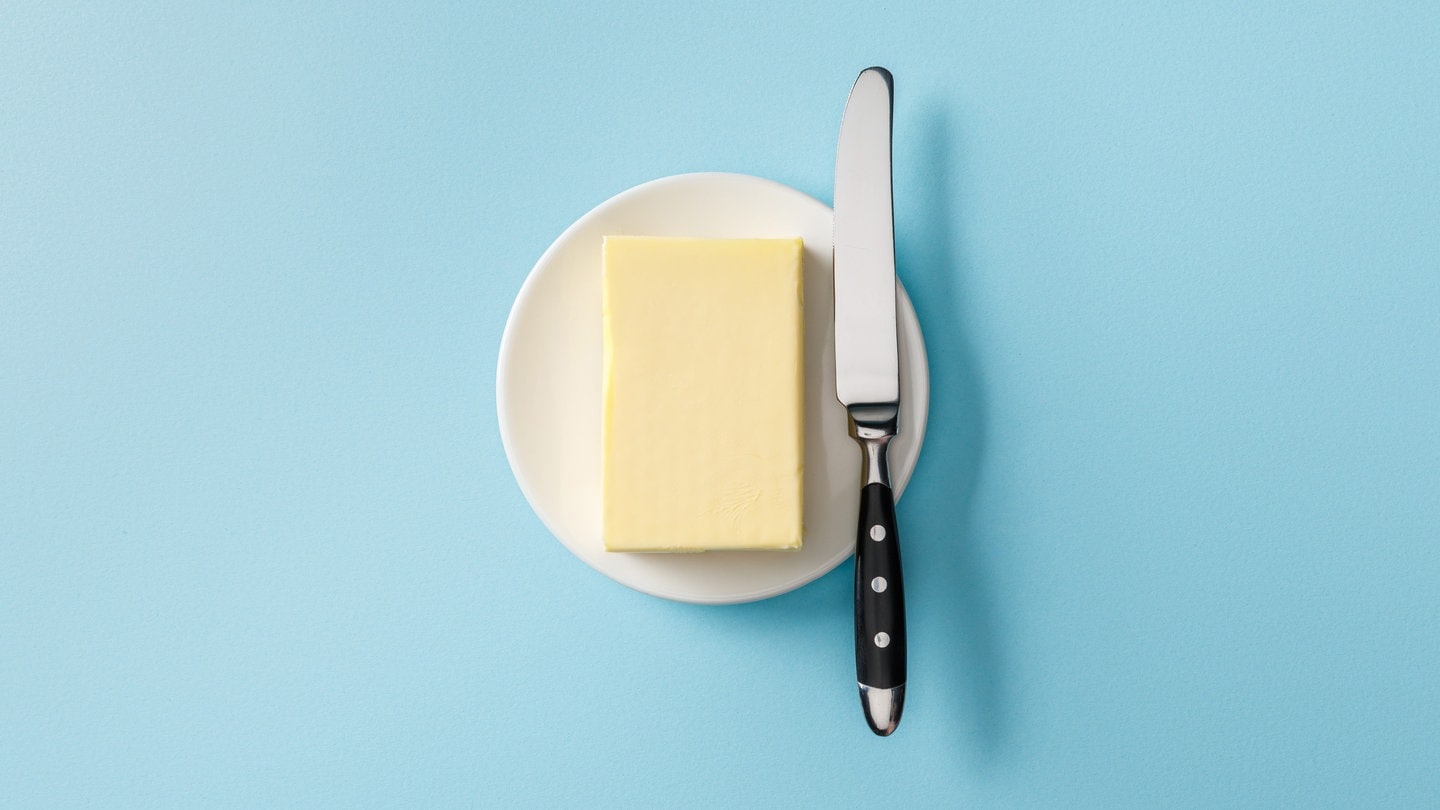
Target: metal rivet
882,640
878,584
877,533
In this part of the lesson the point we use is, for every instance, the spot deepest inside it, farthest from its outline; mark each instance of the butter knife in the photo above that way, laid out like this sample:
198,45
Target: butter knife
867,383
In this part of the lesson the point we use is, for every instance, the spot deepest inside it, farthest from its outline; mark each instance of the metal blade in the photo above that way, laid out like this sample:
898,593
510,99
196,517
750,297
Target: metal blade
867,366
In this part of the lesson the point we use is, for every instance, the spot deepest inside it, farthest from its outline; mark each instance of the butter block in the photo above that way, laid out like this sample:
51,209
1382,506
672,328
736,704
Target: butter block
703,372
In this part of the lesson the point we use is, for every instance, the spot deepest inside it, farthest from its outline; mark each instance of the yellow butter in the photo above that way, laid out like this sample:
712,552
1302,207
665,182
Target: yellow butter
703,367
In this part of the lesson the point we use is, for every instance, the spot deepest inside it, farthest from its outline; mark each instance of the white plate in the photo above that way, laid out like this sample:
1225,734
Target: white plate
548,388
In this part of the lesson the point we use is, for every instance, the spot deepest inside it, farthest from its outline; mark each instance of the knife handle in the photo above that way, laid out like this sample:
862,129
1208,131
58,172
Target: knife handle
879,587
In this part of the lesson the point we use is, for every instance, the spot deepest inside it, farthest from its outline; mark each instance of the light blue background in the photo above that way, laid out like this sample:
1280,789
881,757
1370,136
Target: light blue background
1174,539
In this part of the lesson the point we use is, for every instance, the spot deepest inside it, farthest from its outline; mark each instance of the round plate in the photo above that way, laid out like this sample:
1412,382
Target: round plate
548,388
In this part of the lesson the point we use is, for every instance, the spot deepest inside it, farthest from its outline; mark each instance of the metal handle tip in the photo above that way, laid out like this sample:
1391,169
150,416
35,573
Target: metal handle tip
883,708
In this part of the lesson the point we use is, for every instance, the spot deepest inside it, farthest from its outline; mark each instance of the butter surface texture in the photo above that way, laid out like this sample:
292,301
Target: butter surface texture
703,415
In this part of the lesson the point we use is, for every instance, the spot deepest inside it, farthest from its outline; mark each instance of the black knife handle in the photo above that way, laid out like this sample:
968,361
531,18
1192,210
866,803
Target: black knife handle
879,589
879,593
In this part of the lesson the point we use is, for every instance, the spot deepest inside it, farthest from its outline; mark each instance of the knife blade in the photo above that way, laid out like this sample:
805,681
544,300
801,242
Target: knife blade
867,383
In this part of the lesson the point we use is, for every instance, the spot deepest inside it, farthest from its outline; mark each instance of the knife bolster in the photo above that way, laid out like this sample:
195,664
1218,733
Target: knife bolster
873,426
